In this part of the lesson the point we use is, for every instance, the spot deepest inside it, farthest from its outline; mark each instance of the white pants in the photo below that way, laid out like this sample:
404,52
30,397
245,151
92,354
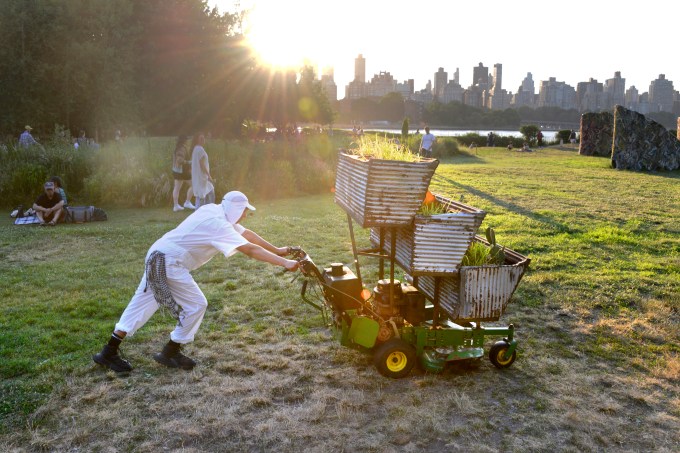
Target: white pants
186,293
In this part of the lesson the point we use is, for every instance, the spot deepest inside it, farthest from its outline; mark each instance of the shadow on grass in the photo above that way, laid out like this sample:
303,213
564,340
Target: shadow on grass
560,227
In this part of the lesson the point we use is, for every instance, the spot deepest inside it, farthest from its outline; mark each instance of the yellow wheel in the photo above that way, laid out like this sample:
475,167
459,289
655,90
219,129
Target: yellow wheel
395,358
498,355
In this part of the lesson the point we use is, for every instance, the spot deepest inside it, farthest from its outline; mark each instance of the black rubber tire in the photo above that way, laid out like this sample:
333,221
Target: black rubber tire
395,358
497,355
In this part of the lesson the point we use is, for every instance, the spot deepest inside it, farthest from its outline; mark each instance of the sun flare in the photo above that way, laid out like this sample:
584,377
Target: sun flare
286,37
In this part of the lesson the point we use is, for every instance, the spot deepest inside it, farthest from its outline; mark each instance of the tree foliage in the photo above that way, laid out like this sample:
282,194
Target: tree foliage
157,66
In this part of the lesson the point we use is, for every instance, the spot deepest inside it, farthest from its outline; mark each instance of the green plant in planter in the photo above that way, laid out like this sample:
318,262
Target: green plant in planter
435,208
377,147
496,253
480,255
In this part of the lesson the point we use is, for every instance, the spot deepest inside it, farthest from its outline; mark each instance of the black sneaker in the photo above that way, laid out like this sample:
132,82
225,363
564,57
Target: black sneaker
174,359
110,358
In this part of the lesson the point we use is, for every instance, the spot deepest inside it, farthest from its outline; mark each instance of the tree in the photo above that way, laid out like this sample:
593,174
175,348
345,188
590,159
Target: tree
313,104
529,132
404,130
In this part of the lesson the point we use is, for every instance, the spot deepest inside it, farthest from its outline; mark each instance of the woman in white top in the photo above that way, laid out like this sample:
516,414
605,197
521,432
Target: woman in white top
167,281
201,180
181,172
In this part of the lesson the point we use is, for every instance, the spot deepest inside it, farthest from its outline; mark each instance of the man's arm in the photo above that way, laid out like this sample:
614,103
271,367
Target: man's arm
254,238
260,254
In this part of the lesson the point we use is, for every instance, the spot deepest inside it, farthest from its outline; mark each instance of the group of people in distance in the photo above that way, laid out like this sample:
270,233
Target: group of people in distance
193,168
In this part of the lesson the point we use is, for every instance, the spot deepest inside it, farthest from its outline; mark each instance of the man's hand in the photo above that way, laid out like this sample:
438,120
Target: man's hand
291,265
284,251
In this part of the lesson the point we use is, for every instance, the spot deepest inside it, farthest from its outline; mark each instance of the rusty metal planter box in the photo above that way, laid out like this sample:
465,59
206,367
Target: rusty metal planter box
378,192
477,293
434,245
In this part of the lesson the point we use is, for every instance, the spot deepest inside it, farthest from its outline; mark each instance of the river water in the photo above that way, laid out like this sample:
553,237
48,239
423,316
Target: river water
547,135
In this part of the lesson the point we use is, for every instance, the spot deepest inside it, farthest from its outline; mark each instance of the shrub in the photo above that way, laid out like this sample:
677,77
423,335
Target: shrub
445,146
563,135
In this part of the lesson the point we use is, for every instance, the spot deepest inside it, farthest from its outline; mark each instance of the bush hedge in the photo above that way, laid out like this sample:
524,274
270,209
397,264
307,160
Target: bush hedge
138,172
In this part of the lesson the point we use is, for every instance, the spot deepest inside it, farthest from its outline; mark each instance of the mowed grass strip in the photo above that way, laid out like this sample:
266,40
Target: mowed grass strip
597,319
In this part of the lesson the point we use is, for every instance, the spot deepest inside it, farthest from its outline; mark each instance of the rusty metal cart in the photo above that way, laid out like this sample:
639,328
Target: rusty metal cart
435,317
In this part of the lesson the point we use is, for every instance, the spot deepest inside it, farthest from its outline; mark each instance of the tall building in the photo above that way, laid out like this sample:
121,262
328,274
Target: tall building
556,94
328,84
526,93
480,76
456,76
453,92
381,84
440,80
615,90
406,89
632,98
360,69
590,96
661,94
356,89
497,97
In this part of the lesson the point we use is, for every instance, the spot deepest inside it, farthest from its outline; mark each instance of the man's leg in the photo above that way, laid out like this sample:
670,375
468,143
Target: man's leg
189,296
141,307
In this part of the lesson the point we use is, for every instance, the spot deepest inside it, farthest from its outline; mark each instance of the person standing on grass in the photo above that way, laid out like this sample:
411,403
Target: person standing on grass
201,180
167,281
26,140
426,143
181,172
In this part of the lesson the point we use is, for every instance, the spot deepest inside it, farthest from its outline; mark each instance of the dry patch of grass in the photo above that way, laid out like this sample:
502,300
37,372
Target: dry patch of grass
596,319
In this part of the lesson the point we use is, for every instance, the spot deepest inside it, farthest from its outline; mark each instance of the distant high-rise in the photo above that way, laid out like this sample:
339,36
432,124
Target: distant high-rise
526,93
328,84
480,76
496,97
632,101
360,69
440,80
456,76
590,96
497,77
381,84
661,94
615,89
556,94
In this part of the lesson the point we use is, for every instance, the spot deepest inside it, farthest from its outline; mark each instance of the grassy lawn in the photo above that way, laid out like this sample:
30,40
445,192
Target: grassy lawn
597,318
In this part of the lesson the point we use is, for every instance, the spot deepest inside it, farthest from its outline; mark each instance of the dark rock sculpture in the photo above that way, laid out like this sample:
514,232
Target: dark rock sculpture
597,131
642,144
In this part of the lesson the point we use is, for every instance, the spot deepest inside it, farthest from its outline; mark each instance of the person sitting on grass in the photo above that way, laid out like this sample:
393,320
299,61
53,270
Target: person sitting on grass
48,206
59,188
212,229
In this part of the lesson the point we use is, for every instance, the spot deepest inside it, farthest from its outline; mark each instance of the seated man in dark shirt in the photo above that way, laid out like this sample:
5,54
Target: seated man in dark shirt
48,206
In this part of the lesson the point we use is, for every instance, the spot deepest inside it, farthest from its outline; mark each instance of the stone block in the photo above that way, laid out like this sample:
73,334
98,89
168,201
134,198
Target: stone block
641,144
597,133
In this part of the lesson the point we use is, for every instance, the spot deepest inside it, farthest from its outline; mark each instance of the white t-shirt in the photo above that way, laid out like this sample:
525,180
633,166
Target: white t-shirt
428,140
201,236
199,180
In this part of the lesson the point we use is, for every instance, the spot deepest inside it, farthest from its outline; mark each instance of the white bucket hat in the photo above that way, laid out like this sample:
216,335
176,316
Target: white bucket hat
234,203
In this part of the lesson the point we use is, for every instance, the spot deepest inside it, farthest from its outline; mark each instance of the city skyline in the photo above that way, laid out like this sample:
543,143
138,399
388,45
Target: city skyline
586,40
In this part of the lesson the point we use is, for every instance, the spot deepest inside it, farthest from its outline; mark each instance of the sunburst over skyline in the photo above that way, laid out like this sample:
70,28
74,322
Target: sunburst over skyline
572,43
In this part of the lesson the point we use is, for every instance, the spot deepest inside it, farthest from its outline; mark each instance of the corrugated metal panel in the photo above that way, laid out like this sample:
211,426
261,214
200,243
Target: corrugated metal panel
477,293
486,291
434,244
382,192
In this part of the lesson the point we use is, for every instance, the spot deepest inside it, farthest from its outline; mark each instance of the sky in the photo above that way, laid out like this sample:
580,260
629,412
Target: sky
573,40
